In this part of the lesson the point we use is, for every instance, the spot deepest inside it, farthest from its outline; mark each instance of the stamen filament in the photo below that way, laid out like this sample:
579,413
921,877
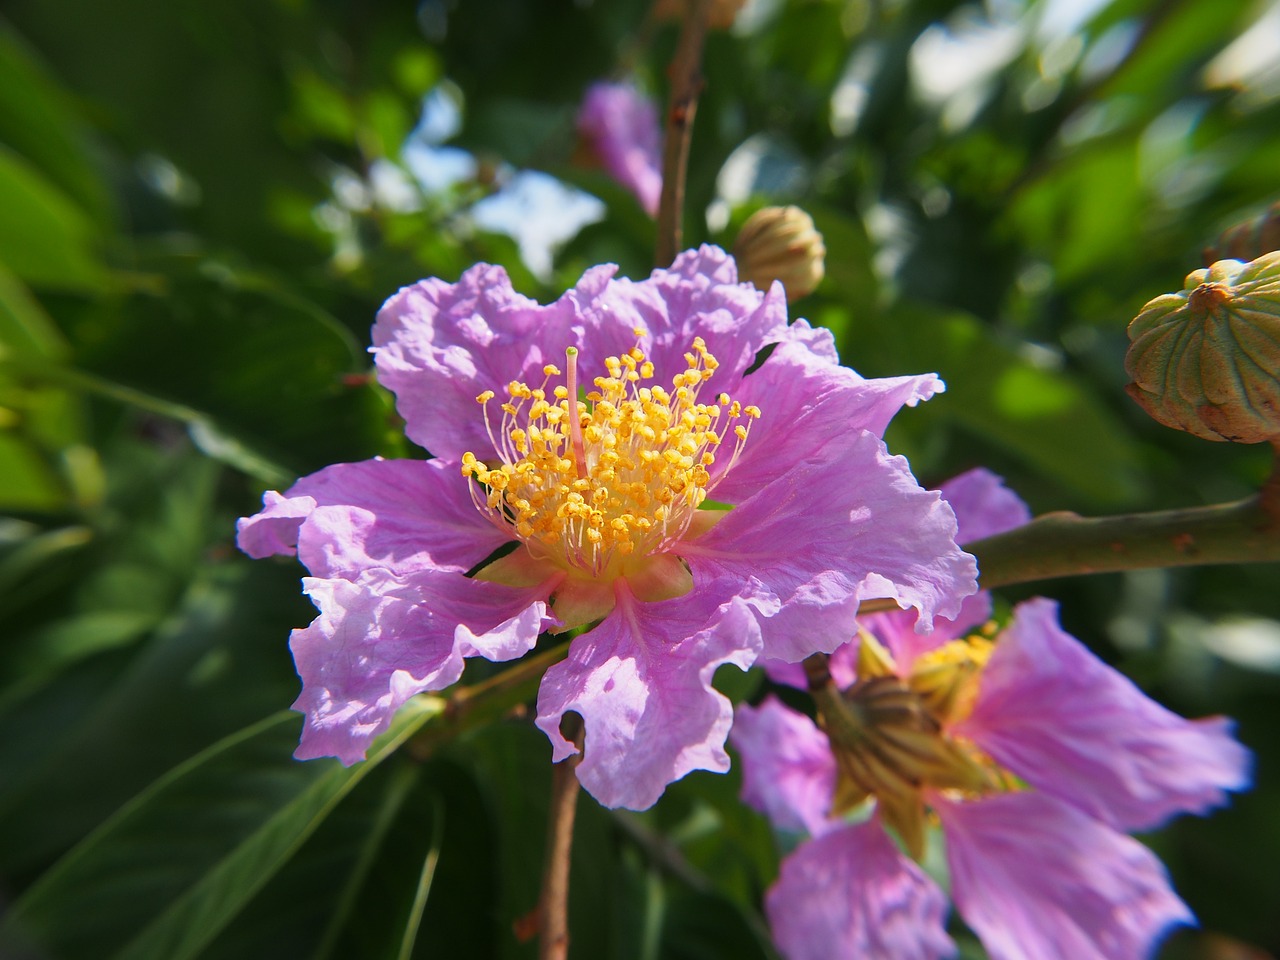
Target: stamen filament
575,423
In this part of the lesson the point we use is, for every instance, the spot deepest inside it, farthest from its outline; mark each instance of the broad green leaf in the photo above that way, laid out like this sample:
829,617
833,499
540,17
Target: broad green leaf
1043,417
164,875
39,120
25,327
45,238
28,480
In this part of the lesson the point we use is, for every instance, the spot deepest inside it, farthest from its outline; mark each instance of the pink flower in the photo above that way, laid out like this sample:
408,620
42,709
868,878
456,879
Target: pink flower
620,125
604,501
1033,755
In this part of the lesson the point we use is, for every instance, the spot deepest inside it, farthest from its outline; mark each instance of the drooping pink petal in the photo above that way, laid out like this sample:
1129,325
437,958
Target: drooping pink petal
381,639
984,506
1060,718
808,402
788,771
1037,879
850,894
819,341
641,681
829,533
273,531
621,126
404,515
439,345
697,296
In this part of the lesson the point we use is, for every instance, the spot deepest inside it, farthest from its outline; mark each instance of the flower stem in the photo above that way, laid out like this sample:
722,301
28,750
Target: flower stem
472,706
1063,544
553,907
686,84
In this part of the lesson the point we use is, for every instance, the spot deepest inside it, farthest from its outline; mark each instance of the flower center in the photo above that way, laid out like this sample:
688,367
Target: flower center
587,483
890,737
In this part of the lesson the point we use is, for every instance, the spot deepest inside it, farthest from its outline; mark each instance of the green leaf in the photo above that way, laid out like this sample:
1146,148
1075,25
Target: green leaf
24,325
1042,416
45,238
39,120
185,856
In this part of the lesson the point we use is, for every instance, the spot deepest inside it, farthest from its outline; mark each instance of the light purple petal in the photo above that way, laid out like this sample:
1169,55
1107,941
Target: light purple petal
1038,880
788,772
851,894
697,296
439,345
404,515
819,341
380,640
984,506
641,681
273,531
621,126
807,404
830,533
1060,718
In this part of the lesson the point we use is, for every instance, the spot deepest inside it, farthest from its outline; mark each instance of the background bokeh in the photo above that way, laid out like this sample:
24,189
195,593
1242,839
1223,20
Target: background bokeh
202,205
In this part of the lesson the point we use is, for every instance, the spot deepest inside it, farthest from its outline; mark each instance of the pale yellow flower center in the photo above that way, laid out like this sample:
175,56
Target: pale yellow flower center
891,734
589,483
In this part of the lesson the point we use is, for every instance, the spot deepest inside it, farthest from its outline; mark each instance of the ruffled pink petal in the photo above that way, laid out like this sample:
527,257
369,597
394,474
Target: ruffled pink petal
697,296
819,341
788,772
641,681
404,515
984,506
439,345
382,639
851,894
273,531
1037,879
621,126
829,533
807,404
1060,718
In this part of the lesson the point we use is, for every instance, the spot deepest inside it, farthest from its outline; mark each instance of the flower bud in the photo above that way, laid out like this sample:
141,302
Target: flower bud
781,243
1248,240
1207,359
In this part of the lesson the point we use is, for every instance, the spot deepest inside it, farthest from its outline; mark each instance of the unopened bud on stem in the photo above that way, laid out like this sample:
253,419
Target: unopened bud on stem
1207,359
781,243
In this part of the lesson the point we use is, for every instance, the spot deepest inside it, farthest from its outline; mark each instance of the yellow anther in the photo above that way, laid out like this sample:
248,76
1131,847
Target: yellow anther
586,482
485,396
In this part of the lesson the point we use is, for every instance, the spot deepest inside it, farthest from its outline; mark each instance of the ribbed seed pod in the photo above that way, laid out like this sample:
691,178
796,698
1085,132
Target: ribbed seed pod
781,243
1207,359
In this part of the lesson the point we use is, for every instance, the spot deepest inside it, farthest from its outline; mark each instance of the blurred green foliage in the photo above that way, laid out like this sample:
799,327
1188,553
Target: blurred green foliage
195,234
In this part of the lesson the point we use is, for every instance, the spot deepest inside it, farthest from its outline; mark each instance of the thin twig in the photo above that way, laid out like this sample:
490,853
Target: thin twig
686,85
553,907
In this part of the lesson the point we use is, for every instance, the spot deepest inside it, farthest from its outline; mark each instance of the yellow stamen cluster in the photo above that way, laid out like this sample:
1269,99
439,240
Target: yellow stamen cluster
588,483
891,736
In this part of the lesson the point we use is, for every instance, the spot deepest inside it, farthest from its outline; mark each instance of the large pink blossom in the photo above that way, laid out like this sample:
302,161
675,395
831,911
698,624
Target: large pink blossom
607,500
620,125
1040,866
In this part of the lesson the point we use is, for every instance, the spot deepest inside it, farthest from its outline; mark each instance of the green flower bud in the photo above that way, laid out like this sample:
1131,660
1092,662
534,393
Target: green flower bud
1207,359
781,243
